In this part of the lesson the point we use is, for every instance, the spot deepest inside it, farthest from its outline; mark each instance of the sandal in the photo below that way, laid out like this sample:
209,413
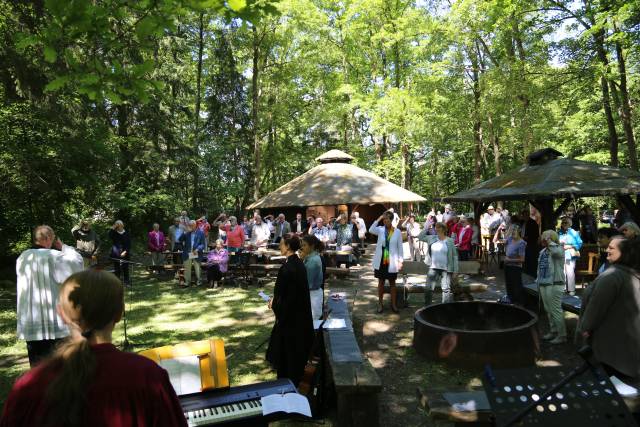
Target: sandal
380,309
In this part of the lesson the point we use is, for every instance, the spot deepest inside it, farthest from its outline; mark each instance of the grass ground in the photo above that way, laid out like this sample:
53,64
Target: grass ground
159,314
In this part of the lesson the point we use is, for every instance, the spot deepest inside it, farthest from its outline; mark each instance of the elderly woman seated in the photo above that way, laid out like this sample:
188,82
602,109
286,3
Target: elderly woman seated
217,261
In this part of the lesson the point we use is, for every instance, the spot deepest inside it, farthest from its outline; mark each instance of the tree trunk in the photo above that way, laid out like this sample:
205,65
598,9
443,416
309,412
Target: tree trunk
254,114
196,148
477,124
625,110
527,140
495,145
598,39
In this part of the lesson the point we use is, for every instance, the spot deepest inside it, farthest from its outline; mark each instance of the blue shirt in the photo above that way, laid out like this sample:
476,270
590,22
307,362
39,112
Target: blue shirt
313,264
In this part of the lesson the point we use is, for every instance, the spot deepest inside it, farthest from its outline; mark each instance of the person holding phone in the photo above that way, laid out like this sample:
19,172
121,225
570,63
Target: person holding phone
388,258
550,280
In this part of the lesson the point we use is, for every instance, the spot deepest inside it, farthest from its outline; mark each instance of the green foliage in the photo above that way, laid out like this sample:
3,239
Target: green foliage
98,99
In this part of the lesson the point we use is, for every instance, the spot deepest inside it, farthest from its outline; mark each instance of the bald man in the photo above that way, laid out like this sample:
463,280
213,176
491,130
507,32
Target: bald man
40,272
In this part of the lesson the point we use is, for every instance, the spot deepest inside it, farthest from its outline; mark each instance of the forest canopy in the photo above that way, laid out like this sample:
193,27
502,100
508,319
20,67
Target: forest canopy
136,110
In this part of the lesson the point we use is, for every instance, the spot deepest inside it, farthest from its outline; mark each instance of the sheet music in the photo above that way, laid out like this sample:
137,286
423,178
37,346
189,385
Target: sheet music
290,402
624,389
330,324
184,374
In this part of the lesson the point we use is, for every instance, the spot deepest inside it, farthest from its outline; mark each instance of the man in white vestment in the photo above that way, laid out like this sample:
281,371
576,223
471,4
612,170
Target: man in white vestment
40,272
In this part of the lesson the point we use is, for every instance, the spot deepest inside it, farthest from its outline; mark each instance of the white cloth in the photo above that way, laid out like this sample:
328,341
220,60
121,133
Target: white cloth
362,228
439,255
396,254
260,233
316,296
40,272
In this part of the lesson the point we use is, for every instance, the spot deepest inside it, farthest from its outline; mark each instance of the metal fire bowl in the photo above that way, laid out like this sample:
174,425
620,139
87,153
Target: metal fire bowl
474,333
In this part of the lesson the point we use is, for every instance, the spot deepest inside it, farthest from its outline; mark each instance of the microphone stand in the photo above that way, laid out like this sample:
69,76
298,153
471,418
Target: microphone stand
125,264
589,363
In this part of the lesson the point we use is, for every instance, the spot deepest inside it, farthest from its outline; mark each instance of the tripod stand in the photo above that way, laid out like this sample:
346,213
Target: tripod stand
126,296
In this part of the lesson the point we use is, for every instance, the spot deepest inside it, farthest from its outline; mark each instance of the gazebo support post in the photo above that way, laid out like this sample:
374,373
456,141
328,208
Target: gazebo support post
630,205
549,216
478,208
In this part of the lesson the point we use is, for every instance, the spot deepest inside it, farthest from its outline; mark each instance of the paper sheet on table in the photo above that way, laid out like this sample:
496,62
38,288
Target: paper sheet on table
330,324
290,402
468,401
193,255
624,390
184,374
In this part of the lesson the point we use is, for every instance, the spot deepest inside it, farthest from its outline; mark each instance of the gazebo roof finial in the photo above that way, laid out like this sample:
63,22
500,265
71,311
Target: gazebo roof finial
541,157
335,156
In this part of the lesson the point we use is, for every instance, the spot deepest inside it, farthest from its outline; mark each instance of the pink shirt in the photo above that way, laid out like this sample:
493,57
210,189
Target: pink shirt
235,238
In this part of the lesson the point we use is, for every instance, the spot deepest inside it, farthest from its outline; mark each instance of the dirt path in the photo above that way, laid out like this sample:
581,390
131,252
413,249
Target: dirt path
386,339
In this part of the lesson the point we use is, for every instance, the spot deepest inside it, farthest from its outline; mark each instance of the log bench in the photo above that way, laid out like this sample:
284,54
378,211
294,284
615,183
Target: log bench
570,303
356,383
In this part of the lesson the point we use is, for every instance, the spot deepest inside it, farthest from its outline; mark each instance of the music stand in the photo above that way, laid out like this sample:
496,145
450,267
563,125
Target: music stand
125,343
556,396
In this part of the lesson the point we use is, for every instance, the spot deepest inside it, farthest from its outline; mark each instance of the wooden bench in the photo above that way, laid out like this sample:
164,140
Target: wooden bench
587,264
357,384
262,273
336,272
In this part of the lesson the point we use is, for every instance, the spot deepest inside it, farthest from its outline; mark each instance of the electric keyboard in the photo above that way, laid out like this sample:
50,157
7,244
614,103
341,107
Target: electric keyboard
236,404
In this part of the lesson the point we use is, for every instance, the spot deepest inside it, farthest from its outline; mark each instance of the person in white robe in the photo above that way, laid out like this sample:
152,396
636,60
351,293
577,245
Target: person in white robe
40,272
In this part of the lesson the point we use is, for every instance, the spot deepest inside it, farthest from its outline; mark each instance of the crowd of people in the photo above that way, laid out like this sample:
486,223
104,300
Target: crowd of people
66,312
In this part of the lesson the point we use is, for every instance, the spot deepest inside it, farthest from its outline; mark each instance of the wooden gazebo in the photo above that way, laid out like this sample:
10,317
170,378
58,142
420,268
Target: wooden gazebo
548,176
336,181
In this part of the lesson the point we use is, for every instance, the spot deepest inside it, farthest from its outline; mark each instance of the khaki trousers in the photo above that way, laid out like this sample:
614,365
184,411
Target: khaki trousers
552,300
187,271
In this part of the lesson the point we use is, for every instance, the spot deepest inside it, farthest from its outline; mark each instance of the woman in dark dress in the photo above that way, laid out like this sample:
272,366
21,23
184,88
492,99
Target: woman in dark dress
532,237
292,334
120,250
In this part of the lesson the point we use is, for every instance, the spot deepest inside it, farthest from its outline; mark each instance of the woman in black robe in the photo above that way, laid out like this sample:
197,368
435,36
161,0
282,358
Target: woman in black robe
292,335
532,237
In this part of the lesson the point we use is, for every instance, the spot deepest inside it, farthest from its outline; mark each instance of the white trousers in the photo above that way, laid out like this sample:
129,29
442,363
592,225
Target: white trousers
316,303
570,274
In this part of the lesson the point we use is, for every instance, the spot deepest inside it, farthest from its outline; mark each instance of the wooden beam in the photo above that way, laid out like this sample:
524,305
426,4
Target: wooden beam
562,207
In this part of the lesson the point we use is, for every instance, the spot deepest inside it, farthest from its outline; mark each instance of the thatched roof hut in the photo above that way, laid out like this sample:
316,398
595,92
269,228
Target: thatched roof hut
546,176
335,181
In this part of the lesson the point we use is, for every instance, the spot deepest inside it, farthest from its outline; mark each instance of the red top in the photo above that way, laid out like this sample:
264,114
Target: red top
204,226
235,238
128,390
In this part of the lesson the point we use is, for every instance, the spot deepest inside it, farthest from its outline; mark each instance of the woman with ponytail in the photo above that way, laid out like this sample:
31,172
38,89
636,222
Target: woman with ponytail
87,381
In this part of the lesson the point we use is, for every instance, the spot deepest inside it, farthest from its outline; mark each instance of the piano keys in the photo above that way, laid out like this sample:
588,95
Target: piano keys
236,405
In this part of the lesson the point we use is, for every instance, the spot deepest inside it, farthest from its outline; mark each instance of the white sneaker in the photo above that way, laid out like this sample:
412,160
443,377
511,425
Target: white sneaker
549,336
558,340
572,293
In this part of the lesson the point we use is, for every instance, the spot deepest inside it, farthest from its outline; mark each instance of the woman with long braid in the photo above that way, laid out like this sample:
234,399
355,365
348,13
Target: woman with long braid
88,381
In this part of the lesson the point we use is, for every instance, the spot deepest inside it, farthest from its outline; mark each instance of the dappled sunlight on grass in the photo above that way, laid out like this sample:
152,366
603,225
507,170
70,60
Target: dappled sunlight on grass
158,313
